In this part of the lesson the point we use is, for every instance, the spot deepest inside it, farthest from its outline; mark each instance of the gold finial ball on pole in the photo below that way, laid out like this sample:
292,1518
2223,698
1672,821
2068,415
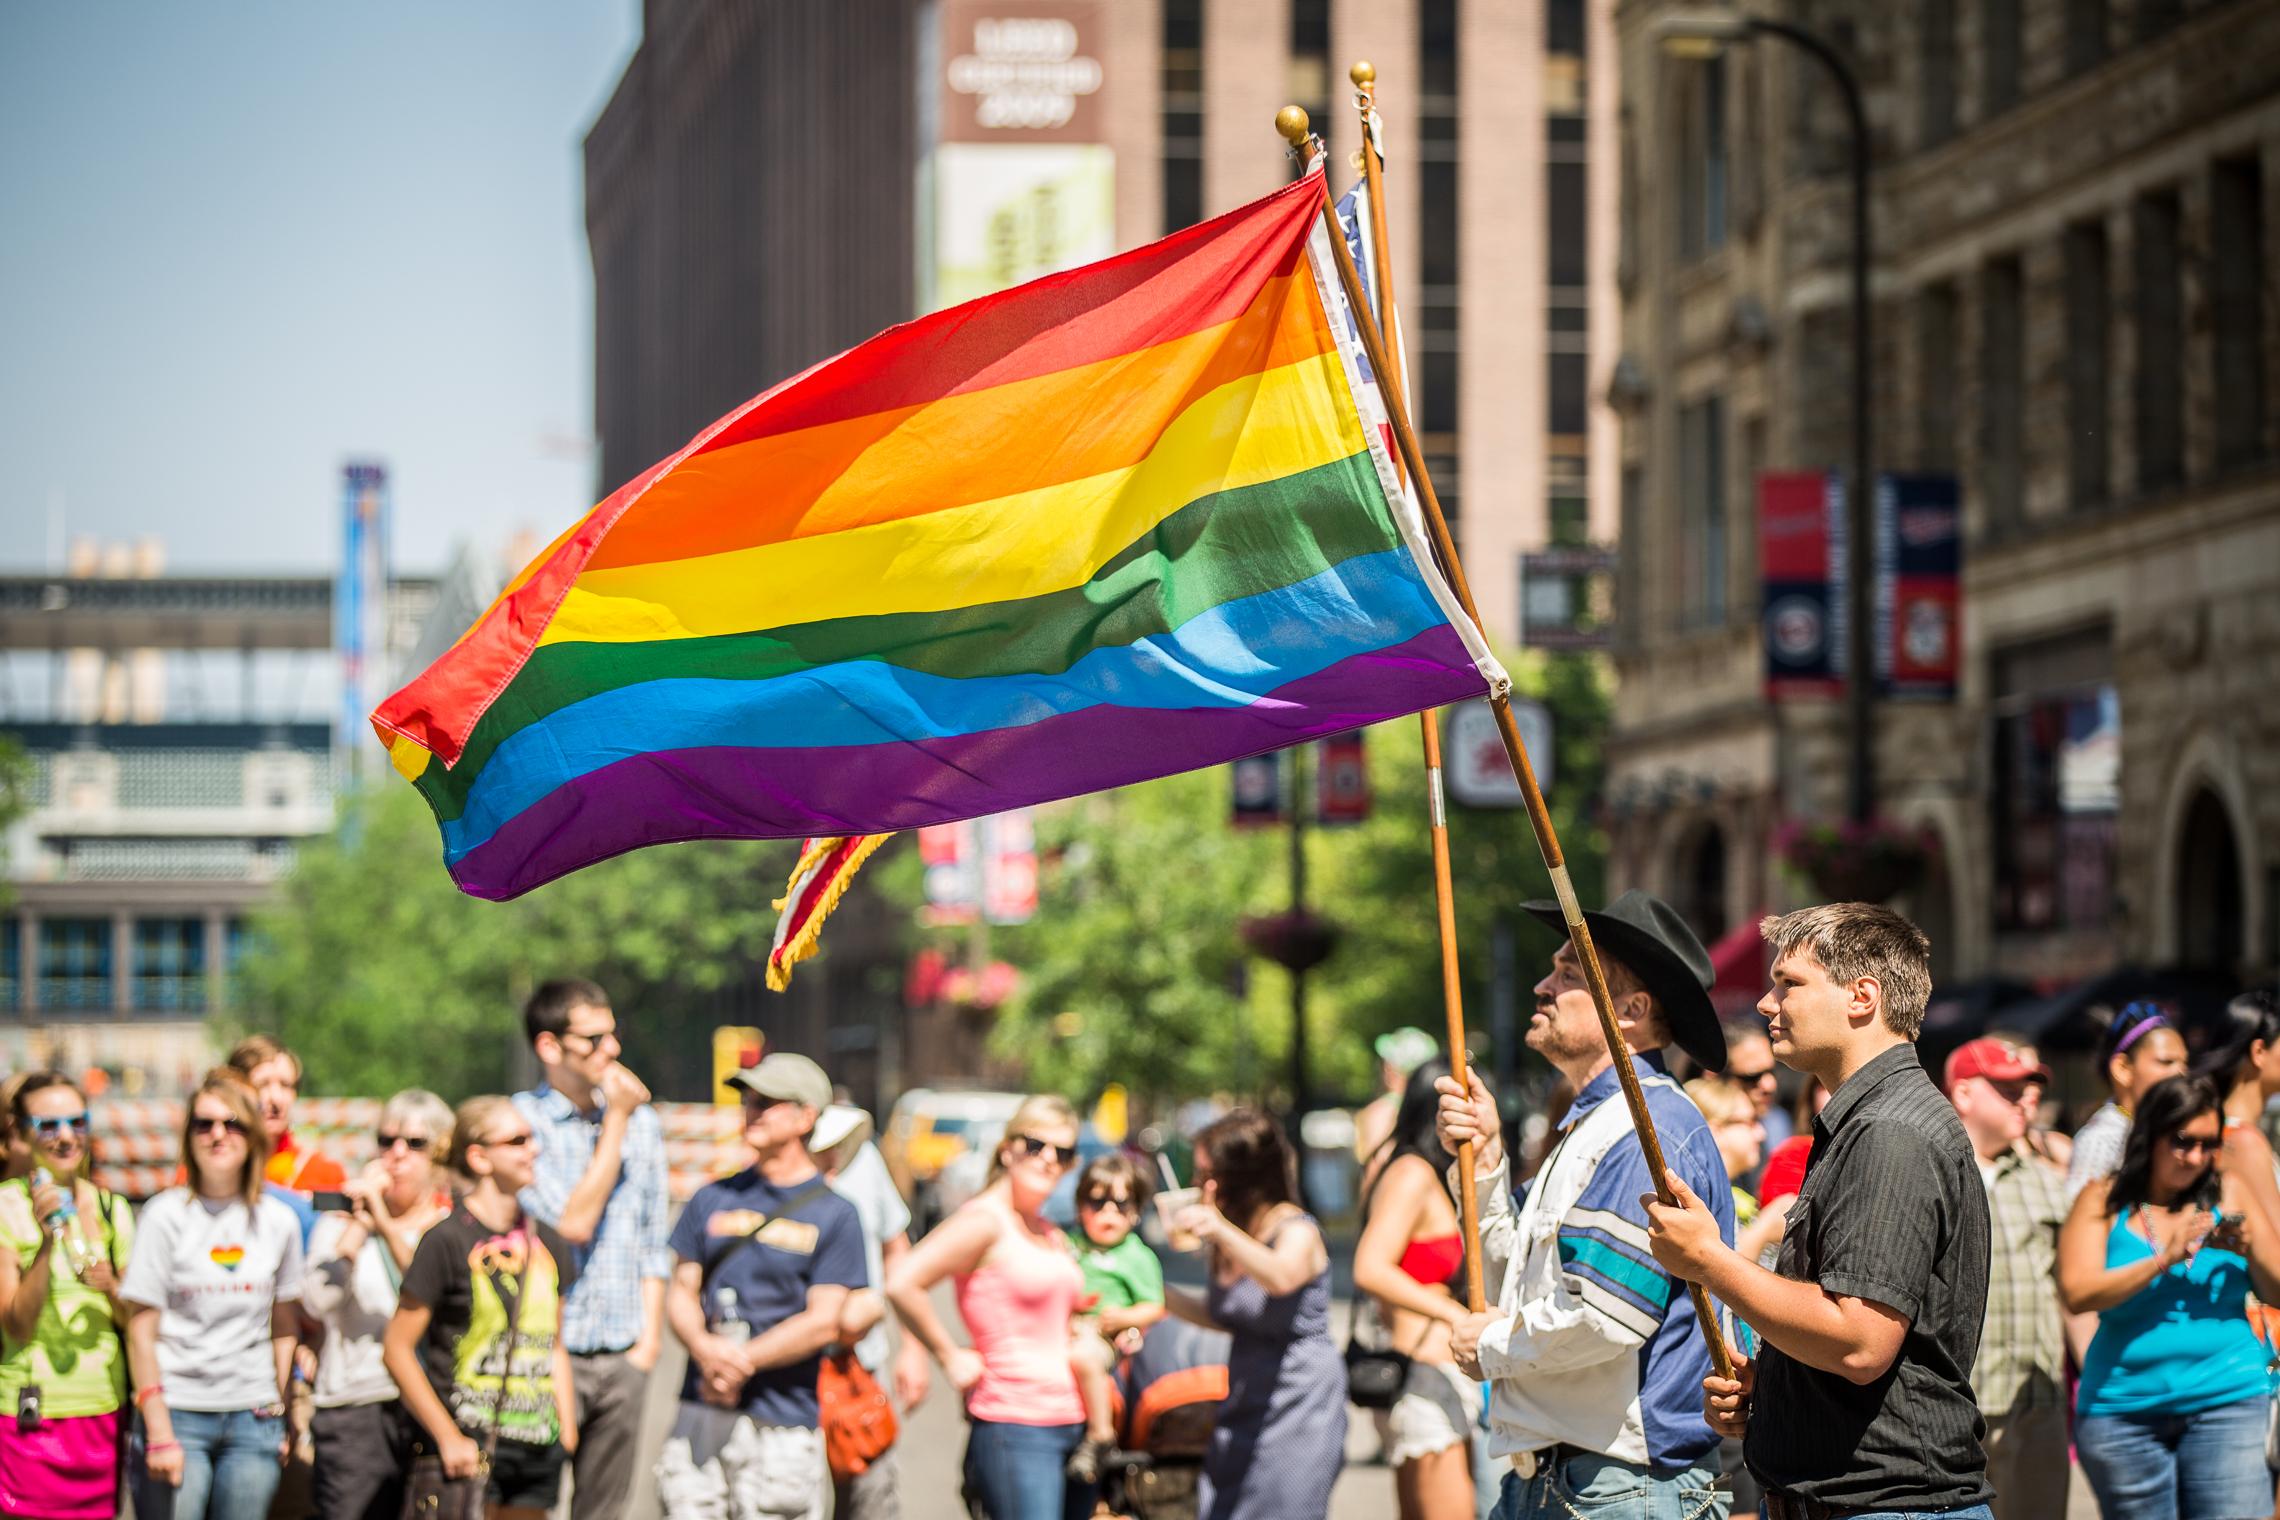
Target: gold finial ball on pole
1364,74
1291,122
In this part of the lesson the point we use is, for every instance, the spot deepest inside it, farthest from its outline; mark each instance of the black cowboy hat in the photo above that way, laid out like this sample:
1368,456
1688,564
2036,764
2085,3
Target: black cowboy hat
1648,937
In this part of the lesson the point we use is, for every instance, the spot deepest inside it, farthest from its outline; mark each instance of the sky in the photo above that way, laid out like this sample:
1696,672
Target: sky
249,240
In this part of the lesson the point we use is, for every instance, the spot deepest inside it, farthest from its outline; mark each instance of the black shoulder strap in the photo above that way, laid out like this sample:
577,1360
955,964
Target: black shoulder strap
792,1205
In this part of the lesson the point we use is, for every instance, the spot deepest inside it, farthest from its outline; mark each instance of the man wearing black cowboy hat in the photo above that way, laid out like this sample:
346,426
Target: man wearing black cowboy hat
1593,1353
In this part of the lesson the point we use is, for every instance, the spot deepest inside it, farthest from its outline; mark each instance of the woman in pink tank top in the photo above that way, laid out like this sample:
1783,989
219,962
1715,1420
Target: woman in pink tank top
1017,1284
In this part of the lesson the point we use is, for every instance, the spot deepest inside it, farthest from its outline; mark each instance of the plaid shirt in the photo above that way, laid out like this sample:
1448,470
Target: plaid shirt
2022,1348
603,1311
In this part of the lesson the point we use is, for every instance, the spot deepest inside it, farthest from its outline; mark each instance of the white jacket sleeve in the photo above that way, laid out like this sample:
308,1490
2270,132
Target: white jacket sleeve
1499,1222
1589,1290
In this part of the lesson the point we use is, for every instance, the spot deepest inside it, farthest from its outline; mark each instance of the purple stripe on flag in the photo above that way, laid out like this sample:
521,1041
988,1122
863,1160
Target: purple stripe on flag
738,793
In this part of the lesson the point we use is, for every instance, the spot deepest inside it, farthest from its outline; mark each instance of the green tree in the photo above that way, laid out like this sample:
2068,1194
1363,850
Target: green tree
381,974
1134,970
1378,877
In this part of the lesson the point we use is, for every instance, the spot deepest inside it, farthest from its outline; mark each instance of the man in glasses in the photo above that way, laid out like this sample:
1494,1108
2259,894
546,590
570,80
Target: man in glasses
600,1182
1749,1066
2019,1377
763,1265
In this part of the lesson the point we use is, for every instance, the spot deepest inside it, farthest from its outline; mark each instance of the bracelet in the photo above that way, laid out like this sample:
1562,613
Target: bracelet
152,1447
151,1392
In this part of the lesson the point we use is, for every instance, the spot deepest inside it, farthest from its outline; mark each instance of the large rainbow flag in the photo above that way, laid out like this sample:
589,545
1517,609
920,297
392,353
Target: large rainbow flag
1116,523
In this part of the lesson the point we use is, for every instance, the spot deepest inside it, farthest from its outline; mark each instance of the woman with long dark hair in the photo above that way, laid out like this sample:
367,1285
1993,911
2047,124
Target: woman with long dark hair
2244,1062
2173,1402
1409,1257
2139,1048
1281,1435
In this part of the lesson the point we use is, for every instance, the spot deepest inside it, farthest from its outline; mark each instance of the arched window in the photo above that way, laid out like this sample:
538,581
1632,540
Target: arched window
2211,925
1701,881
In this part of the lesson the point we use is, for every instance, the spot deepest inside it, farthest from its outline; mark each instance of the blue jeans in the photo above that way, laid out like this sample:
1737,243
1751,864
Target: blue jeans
2203,1466
1580,1484
1967,1512
229,1467
1015,1471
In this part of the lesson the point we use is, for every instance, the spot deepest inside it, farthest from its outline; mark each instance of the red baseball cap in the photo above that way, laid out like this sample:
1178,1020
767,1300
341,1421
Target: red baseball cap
1993,1060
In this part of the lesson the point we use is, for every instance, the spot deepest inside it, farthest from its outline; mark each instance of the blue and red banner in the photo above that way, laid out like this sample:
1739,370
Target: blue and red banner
1802,558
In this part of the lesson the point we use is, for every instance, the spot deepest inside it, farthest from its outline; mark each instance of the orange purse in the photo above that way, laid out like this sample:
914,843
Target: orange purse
858,1419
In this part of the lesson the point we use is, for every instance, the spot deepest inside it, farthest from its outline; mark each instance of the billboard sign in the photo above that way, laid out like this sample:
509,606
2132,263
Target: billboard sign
1020,72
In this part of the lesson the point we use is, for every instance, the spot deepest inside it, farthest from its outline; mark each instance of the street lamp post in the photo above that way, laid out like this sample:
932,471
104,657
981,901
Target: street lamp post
1703,34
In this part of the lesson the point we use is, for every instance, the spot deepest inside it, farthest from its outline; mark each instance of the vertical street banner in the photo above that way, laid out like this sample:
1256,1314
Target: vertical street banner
1801,563
1922,518
1341,779
1802,558
1258,790
360,600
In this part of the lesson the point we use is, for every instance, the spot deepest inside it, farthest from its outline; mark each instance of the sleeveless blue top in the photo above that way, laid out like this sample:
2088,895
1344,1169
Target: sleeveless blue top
2181,1344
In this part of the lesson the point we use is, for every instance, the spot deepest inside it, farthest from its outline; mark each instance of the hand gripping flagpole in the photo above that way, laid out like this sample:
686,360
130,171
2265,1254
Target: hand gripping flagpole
1292,123
1391,382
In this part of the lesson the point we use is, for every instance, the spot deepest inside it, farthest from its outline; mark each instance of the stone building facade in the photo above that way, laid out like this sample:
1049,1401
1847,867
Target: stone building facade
2076,295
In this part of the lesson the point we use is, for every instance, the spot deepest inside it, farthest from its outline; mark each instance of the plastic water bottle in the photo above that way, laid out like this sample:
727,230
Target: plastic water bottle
728,1317
63,1225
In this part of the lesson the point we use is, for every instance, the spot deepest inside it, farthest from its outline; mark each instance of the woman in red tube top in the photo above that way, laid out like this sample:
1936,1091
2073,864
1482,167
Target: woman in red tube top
1411,1261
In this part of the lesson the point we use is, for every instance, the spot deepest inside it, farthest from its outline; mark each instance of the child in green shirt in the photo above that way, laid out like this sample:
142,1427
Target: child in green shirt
1124,1287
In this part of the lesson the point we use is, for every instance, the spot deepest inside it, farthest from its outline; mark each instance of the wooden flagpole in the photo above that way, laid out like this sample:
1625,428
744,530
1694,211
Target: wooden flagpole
1292,123
1364,76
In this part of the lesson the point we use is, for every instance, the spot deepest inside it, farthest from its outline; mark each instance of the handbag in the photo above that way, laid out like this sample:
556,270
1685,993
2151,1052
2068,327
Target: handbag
1375,1375
430,1493
858,1419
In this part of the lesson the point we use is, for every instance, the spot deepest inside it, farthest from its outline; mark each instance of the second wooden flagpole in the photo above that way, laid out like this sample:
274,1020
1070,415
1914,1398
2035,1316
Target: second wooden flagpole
1532,795
1364,77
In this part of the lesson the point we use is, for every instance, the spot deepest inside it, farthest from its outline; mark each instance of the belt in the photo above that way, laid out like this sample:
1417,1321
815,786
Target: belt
1529,1463
1777,1504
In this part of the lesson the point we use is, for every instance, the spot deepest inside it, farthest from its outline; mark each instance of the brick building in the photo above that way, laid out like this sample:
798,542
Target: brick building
2075,207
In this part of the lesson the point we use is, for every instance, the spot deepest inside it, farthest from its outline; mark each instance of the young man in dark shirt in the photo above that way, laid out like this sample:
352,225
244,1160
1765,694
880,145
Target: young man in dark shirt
1860,1402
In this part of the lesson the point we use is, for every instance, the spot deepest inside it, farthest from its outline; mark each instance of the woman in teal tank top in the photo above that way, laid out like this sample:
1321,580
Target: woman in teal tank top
2175,1391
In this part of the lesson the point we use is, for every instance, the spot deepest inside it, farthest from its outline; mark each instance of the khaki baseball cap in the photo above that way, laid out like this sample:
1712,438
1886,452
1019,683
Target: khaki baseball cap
793,1078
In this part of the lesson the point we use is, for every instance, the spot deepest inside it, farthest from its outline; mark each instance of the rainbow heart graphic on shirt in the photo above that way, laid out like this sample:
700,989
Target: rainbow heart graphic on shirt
227,1257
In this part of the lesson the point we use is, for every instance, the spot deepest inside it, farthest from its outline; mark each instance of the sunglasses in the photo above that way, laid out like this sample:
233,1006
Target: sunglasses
413,1143
1101,1201
525,1138
2195,1145
1030,1145
1750,1078
76,1123
203,1126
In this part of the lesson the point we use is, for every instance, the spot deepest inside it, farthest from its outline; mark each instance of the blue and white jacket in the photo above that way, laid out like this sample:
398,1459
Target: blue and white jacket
1595,1345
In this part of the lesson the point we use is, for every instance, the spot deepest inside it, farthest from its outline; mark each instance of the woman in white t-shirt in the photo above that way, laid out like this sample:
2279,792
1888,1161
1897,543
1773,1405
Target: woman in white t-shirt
356,1266
210,1324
